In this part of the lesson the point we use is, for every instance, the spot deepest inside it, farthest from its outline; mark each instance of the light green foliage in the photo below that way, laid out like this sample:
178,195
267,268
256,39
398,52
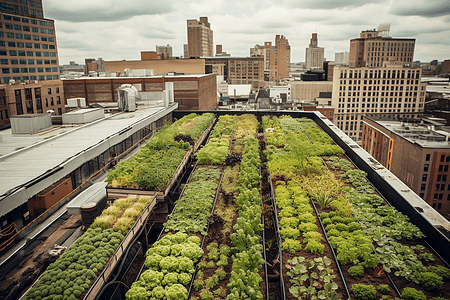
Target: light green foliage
363,292
356,271
193,208
440,270
289,233
384,289
413,294
430,280
155,163
291,245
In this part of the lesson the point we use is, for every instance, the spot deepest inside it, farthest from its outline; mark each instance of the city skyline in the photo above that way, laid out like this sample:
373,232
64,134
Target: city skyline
108,29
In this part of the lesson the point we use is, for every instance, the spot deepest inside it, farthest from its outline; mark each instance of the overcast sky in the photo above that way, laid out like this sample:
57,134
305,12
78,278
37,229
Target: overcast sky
117,29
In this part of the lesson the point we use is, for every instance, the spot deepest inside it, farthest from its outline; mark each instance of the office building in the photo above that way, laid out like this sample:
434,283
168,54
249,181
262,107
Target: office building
392,89
165,51
277,58
419,155
341,58
185,51
200,38
239,70
374,47
314,54
29,59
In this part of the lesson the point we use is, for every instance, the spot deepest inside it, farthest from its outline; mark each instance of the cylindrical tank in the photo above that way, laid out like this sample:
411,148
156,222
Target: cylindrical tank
89,212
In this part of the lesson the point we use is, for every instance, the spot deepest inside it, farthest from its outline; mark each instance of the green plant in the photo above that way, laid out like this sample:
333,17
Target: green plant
383,288
221,291
363,292
291,245
430,280
413,294
356,271
440,270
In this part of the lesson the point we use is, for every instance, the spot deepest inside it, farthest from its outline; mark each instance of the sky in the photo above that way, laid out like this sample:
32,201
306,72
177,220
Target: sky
117,29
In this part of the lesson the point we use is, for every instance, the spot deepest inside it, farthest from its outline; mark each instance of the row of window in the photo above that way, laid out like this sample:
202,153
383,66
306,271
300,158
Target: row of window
378,74
14,9
376,110
27,53
31,70
21,36
384,81
27,28
32,3
376,100
391,44
27,45
22,61
33,77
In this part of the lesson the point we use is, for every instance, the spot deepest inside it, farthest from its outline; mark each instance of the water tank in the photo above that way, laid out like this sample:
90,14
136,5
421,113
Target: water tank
89,211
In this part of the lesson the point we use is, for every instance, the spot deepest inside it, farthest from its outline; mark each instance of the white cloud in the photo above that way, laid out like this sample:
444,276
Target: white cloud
112,30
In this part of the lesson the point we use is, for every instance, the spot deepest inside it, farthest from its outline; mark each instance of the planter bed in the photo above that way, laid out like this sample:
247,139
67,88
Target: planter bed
166,154
81,271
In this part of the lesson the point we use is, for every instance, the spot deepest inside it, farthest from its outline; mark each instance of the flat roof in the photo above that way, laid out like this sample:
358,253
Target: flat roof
418,134
63,153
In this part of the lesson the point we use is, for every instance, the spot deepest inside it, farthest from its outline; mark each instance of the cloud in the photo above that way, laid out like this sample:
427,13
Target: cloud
104,10
425,8
329,5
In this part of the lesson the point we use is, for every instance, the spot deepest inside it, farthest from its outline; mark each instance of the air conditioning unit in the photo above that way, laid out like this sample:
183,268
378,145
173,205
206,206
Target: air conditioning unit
26,81
12,82
36,81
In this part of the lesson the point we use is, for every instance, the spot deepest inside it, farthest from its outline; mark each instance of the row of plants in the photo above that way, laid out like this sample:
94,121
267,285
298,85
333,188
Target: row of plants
216,279
188,219
355,217
392,234
75,270
153,166
308,272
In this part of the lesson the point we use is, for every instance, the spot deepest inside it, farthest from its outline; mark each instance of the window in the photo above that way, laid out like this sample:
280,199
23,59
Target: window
34,29
28,45
10,35
48,69
439,206
41,70
11,44
36,37
427,157
42,30
20,45
5,70
424,177
44,46
32,70
57,90
49,77
425,167
39,54
37,46
422,187
421,195
441,167
49,91
24,70
446,168
27,37
29,53
55,69
55,77
39,61
442,157
12,52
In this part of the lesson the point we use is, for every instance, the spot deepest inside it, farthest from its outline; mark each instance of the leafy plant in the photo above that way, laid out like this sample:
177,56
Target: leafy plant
363,292
383,288
356,271
413,294
430,280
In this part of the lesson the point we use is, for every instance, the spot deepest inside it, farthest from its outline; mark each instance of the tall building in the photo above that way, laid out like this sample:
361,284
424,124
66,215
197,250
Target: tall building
373,47
314,54
393,89
29,59
200,38
341,58
419,155
277,58
164,50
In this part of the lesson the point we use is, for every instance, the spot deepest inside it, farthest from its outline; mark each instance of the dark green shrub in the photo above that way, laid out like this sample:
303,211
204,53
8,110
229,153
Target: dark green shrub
430,280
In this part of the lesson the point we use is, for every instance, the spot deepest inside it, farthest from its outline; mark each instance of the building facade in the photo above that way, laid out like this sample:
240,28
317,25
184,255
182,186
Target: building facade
371,49
29,59
314,54
164,50
191,92
160,66
418,155
200,38
240,70
277,58
392,89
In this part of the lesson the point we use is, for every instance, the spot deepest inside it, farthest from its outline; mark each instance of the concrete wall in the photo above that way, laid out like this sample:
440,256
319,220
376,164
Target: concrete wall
309,90
28,124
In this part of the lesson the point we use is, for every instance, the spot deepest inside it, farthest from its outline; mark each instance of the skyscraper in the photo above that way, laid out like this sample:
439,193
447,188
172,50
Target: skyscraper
314,54
29,55
200,38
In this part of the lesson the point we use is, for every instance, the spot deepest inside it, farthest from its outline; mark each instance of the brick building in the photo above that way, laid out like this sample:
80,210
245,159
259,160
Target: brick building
29,59
160,66
191,92
200,38
418,155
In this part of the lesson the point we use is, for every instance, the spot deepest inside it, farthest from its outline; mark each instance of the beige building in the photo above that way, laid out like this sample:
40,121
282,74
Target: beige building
200,38
29,59
309,90
165,51
160,66
314,54
239,70
372,48
392,89
277,58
